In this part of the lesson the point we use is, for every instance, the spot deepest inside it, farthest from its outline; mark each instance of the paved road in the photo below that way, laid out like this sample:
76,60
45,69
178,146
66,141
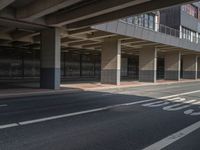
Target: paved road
143,118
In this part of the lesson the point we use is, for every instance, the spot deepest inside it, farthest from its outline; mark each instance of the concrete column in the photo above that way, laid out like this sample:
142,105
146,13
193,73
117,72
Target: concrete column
111,62
173,65
50,59
148,64
190,66
198,66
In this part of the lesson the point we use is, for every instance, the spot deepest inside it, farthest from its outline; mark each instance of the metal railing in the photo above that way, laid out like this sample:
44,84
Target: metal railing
157,27
168,30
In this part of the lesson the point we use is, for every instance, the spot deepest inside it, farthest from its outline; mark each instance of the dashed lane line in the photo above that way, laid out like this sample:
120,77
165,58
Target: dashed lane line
88,111
9,125
3,105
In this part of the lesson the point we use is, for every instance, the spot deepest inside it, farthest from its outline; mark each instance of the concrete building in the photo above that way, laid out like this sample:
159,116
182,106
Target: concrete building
49,40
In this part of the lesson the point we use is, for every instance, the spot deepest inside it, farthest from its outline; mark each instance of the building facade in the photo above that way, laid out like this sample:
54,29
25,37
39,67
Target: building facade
185,18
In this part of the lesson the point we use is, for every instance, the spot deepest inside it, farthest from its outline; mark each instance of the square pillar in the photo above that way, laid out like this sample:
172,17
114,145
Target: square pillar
148,64
50,59
190,66
173,65
198,66
111,62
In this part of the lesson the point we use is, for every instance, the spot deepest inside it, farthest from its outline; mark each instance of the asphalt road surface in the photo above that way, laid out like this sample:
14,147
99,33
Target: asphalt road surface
144,118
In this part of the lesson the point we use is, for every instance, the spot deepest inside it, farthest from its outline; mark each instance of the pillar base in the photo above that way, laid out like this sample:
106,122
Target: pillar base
111,76
190,66
172,75
189,75
50,78
147,76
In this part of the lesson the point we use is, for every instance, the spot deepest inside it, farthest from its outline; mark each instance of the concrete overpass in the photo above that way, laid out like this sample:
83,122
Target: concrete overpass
56,24
76,13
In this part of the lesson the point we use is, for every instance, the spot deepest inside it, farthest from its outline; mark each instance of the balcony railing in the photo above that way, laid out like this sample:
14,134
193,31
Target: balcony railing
157,27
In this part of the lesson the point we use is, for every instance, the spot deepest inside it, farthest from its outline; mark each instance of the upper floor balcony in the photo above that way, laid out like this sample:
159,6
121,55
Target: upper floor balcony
151,30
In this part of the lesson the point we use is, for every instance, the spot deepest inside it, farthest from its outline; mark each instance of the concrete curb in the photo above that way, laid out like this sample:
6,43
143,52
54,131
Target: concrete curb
71,91
139,85
41,93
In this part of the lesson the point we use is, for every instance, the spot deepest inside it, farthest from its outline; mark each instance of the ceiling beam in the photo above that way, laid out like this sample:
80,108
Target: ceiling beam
74,41
131,46
18,34
40,8
13,23
100,34
5,3
80,43
133,42
5,36
68,40
92,45
146,44
81,31
88,11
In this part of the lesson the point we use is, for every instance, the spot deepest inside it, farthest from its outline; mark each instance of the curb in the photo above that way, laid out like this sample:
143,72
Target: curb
71,91
139,85
41,93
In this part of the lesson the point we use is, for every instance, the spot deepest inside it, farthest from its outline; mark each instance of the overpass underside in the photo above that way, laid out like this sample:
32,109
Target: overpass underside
53,40
89,54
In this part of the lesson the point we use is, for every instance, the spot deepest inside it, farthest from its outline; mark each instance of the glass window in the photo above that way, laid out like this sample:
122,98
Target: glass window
191,10
130,20
145,20
151,21
198,37
140,19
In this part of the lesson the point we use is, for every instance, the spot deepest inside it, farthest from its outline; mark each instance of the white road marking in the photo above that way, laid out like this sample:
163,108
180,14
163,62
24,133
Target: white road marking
156,104
192,112
90,111
174,137
181,94
107,94
176,107
3,105
81,112
180,103
9,125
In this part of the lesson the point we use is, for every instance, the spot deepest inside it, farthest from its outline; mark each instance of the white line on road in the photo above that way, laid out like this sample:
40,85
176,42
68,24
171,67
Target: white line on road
89,111
174,137
9,125
81,112
3,105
